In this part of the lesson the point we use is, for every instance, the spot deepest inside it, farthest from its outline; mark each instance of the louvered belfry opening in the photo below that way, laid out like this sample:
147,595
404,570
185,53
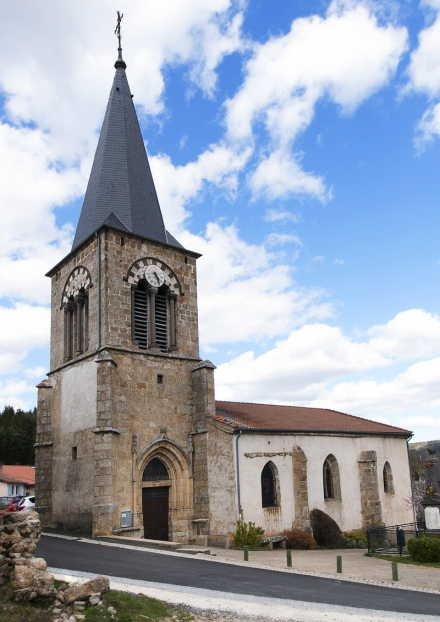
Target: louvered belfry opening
140,316
143,313
161,321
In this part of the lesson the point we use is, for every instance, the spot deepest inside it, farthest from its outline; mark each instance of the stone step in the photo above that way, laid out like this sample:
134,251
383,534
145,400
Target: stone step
195,551
134,541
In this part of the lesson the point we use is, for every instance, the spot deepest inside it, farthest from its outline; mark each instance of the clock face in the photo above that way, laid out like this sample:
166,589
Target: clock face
154,276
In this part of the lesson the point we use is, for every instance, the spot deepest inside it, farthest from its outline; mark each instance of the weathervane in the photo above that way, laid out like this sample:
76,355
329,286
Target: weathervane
118,29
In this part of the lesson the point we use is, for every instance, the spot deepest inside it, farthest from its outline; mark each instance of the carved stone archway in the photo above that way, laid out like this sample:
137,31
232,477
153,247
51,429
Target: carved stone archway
179,484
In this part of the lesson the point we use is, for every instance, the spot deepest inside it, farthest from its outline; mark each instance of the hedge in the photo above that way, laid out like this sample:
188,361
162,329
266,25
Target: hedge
424,549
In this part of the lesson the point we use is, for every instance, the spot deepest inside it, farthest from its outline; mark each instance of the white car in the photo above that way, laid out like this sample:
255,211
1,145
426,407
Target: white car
27,503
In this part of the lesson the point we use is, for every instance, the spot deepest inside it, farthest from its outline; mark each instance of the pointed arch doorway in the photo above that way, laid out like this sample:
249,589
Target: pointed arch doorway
155,500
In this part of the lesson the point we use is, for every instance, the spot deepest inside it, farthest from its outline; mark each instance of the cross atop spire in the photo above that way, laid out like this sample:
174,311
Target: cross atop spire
120,62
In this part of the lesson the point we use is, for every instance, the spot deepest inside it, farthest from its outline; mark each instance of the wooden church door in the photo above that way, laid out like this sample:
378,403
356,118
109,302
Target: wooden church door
155,512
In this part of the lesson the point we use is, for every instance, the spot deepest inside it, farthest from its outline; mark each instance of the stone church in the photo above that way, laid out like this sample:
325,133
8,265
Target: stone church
130,439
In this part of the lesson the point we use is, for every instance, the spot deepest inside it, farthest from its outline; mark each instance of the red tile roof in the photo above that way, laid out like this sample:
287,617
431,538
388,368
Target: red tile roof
243,415
18,473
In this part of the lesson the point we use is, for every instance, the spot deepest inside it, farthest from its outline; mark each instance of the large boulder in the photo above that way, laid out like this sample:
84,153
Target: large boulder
83,591
326,531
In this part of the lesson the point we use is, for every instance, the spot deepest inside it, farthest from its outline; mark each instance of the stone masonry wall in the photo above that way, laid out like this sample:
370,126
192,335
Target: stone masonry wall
370,501
97,455
116,259
300,491
19,536
44,451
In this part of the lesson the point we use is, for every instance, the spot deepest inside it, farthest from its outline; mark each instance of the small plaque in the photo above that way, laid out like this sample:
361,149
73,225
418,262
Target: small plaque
432,518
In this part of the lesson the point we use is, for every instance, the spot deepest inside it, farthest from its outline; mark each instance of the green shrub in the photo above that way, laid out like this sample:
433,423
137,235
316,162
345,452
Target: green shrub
356,535
299,539
424,549
247,534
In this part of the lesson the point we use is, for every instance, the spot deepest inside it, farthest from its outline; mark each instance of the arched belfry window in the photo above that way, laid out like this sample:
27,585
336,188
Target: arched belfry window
331,480
270,494
154,307
155,471
75,303
388,485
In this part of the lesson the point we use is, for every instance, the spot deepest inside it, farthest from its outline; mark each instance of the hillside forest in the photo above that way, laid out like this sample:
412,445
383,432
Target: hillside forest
17,436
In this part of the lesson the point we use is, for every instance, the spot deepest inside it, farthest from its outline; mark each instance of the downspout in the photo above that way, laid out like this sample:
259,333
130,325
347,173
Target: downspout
98,238
238,472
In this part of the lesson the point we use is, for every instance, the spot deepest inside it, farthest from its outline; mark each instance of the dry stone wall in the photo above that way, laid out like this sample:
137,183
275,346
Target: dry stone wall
28,576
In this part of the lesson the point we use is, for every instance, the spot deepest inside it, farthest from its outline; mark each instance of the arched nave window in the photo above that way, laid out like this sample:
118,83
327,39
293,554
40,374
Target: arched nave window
270,493
331,480
387,478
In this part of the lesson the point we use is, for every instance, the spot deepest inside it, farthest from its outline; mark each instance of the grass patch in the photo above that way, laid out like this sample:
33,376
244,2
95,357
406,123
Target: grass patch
403,560
11,611
130,607
116,607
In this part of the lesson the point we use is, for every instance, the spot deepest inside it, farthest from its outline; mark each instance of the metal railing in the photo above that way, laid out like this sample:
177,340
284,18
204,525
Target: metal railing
392,540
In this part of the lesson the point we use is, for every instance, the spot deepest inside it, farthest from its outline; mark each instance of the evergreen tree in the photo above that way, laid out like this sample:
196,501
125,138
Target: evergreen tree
18,431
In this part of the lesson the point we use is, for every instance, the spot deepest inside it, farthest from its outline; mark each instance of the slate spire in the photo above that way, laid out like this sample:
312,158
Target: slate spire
121,192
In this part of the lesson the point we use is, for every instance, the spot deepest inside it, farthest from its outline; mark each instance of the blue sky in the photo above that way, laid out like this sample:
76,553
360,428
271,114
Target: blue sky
295,144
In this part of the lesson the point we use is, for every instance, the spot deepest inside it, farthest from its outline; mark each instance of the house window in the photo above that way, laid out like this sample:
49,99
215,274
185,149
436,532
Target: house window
387,478
269,486
331,480
74,453
155,471
15,490
153,317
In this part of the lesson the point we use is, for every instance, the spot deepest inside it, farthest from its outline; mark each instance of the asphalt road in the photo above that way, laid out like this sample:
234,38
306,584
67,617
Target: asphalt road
175,570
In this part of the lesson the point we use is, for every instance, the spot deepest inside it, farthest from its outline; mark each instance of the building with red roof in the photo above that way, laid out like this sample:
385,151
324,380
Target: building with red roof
16,480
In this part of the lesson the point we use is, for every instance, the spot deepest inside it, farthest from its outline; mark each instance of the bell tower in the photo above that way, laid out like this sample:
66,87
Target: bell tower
121,440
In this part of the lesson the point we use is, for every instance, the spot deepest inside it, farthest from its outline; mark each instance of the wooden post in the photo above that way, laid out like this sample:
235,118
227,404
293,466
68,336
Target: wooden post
289,558
395,571
246,553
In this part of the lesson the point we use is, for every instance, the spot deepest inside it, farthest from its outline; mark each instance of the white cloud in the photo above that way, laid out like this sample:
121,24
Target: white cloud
269,304
177,185
280,239
428,127
35,372
415,389
424,77
413,333
310,365
23,328
419,421
43,86
280,174
17,393
279,215
297,367
345,56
